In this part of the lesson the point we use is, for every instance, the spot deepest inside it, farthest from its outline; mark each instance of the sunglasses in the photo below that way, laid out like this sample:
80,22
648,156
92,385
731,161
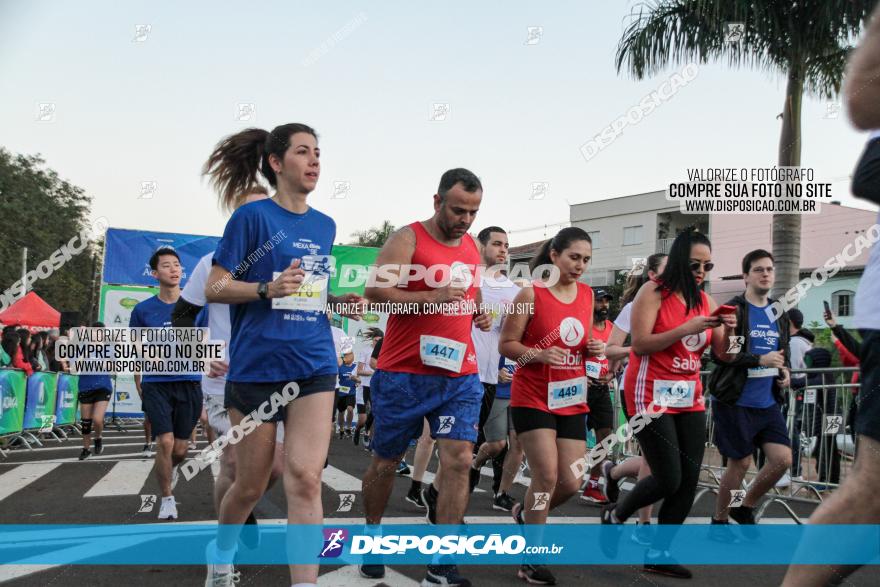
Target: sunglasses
707,266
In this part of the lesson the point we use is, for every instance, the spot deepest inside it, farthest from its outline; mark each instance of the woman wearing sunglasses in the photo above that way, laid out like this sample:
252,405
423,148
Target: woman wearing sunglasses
672,324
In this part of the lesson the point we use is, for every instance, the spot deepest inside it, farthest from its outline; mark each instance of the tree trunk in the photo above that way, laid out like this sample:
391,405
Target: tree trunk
787,227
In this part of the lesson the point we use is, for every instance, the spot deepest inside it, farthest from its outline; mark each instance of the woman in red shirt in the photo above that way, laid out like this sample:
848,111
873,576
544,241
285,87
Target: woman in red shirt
671,327
547,334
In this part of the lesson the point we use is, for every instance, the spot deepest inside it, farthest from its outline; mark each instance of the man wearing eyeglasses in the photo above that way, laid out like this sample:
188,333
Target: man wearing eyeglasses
747,394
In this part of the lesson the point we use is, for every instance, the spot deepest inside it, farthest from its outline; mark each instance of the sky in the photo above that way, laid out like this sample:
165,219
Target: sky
118,96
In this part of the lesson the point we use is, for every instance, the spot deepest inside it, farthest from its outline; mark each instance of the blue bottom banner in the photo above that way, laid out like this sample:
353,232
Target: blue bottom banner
477,544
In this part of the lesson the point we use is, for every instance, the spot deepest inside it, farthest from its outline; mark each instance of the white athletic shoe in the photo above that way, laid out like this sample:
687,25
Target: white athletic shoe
175,477
218,579
168,509
785,481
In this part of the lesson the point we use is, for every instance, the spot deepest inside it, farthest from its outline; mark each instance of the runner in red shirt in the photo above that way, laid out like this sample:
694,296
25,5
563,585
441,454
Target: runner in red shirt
427,367
671,326
601,418
547,336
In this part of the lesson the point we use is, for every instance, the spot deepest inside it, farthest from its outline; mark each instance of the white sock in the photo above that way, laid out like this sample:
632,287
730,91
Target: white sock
216,554
166,499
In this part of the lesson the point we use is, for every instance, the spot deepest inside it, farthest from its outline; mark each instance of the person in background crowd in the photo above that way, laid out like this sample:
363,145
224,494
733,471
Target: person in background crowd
364,371
24,341
345,395
748,394
849,350
618,352
94,395
12,346
828,457
601,418
800,343
856,501
38,352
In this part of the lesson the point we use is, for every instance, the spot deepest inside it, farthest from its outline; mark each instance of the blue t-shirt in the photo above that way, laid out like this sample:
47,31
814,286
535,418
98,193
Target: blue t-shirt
278,345
502,390
154,313
763,338
346,385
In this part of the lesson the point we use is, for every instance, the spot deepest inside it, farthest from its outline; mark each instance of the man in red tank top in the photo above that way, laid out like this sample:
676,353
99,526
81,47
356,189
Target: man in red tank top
427,366
601,418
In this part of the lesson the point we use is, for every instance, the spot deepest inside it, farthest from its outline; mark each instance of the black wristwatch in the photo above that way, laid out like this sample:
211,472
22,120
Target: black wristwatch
263,290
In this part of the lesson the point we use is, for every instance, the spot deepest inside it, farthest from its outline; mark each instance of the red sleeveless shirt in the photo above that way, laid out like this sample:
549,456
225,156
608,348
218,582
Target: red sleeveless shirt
565,326
671,376
412,340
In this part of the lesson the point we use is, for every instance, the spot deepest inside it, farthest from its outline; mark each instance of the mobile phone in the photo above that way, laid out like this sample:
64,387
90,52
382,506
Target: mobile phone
725,309
827,307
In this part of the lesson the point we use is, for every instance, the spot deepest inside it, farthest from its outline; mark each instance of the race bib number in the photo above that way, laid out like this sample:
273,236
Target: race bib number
444,353
343,389
758,372
674,394
593,369
562,394
509,363
310,297
809,396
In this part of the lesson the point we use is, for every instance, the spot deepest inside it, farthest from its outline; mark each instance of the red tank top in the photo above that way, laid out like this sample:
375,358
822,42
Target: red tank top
442,341
673,374
602,362
565,326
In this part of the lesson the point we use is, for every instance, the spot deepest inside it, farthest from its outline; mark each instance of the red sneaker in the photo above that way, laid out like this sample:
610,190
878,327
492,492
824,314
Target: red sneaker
593,493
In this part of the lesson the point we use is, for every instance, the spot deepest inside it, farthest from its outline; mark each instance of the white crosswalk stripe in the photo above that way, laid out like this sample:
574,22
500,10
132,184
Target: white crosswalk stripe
22,476
125,478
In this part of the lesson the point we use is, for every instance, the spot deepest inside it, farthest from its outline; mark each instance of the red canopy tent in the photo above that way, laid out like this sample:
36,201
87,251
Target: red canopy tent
33,312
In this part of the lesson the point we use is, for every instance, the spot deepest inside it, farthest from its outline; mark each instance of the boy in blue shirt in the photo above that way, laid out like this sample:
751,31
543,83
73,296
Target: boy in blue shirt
172,403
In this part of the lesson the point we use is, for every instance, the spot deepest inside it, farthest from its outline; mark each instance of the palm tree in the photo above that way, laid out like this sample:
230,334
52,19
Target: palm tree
375,236
808,41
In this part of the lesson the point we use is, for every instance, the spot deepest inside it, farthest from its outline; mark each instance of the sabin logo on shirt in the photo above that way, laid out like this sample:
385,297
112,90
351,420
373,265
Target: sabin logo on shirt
694,342
571,331
446,424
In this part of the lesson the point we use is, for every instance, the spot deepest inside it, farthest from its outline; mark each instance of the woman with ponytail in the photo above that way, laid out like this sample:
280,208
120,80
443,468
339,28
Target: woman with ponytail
672,324
272,266
547,334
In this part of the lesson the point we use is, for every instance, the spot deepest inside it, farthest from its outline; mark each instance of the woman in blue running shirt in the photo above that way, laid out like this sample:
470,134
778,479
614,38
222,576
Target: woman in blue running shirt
273,266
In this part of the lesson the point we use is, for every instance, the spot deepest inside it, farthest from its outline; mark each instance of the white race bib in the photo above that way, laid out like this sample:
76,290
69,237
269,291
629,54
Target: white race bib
310,297
757,372
444,353
594,369
674,394
344,389
562,394
809,396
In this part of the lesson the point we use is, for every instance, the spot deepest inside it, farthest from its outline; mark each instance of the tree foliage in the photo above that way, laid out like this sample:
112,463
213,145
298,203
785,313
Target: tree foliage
42,212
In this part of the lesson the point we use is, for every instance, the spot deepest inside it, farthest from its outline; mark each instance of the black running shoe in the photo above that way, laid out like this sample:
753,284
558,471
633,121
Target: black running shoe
403,469
372,571
84,454
497,471
414,496
720,531
662,564
536,575
99,446
341,434
745,516
475,478
429,498
250,532
611,489
503,502
446,575
357,435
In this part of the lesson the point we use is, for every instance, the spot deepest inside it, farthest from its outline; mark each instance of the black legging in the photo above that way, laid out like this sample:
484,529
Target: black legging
673,445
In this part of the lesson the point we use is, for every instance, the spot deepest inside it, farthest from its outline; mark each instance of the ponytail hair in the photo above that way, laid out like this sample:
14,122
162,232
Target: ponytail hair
678,277
563,239
235,161
635,281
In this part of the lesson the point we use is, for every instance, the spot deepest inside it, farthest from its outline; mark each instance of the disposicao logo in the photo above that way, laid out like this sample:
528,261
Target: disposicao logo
334,540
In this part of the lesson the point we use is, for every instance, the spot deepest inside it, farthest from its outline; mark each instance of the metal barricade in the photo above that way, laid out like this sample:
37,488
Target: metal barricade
819,418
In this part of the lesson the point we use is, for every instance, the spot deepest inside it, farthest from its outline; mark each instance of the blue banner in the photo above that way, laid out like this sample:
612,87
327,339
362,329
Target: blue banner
66,399
476,544
39,405
127,254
